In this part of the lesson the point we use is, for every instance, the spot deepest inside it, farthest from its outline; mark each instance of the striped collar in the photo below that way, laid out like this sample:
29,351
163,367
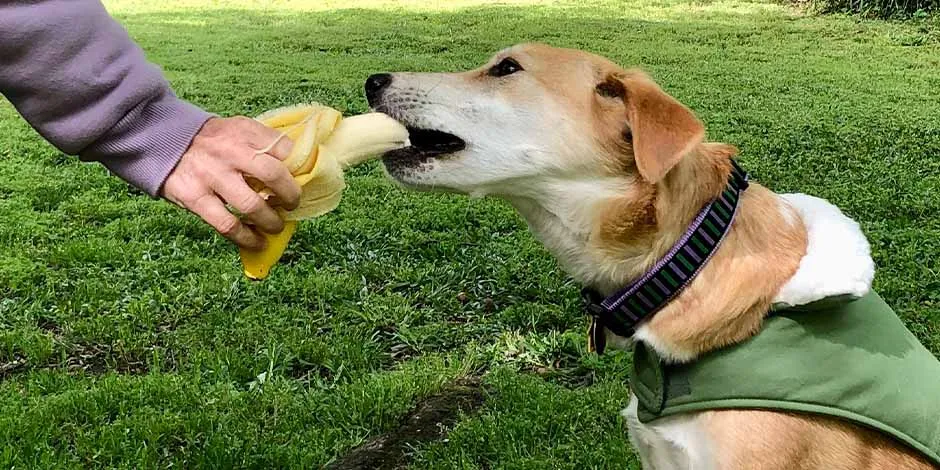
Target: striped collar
626,308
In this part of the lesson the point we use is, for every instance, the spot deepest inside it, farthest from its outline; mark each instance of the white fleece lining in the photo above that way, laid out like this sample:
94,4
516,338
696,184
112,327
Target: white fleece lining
838,258
837,263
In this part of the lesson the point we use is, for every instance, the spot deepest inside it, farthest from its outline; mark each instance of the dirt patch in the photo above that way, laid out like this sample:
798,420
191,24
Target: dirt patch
12,366
75,355
50,325
572,378
93,359
427,422
305,372
97,359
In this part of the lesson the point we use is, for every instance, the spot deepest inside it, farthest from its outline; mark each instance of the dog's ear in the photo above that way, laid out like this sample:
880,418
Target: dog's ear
662,129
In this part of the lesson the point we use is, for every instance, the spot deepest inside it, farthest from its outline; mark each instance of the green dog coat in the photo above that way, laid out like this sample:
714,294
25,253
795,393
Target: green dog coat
844,358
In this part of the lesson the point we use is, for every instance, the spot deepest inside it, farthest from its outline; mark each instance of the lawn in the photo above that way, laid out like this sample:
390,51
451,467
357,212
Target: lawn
129,338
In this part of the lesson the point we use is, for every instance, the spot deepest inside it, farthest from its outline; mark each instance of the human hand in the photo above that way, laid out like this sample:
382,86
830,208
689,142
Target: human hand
212,173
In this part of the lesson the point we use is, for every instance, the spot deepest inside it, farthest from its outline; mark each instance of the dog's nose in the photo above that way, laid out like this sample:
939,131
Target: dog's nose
374,86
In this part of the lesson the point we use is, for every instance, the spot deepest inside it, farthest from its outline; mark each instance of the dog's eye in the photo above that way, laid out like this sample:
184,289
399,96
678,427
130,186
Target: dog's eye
507,66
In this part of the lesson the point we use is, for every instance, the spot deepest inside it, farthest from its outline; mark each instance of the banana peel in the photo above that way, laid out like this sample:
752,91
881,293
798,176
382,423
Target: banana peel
325,144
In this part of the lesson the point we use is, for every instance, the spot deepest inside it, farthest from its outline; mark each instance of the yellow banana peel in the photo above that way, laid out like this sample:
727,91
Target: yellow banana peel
325,143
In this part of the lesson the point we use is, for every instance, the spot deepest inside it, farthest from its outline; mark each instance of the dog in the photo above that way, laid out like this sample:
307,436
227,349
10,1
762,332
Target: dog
608,170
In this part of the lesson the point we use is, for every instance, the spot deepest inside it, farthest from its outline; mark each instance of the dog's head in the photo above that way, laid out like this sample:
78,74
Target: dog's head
532,113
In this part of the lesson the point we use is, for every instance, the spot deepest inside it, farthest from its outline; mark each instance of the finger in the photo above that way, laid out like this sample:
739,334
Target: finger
274,175
280,147
213,211
235,191
275,201
266,139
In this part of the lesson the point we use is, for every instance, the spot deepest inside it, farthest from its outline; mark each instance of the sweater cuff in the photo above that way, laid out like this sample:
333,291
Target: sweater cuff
146,144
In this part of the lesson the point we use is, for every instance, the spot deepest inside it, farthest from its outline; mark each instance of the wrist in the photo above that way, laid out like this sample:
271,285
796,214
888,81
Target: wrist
146,144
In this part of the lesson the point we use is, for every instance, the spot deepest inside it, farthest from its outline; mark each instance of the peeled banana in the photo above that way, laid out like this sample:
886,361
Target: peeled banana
325,143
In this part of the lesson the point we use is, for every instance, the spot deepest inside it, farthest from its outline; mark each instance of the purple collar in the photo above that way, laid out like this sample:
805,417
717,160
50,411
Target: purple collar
643,298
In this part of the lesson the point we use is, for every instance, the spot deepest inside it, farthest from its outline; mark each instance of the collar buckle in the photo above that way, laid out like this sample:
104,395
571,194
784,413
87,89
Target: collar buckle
592,303
597,341
739,176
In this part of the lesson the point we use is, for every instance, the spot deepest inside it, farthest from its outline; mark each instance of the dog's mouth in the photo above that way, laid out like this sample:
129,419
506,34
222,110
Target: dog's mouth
425,145
434,142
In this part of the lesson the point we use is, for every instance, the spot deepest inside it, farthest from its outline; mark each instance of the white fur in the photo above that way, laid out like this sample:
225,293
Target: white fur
676,442
669,352
789,213
838,258
561,213
511,144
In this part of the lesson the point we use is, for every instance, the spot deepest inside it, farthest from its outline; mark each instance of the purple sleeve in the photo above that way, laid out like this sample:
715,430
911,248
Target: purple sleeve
79,80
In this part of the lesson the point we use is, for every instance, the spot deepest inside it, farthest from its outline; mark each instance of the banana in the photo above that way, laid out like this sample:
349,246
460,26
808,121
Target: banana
258,264
325,144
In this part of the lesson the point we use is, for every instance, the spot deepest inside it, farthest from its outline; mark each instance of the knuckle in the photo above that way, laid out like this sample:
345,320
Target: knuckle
251,203
203,173
260,168
245,123
197,202
227,226
271,172
189,201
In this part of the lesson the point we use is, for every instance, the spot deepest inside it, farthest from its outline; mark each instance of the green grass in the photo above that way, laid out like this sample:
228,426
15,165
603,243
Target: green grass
128,337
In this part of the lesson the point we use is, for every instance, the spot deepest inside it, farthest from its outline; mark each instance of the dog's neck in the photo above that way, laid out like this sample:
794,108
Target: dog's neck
562,213
602,234
607,231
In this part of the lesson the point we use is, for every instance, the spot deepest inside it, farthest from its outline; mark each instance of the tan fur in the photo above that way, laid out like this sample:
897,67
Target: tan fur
763,440
727,301
729,298
761,253
663,131
652,146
